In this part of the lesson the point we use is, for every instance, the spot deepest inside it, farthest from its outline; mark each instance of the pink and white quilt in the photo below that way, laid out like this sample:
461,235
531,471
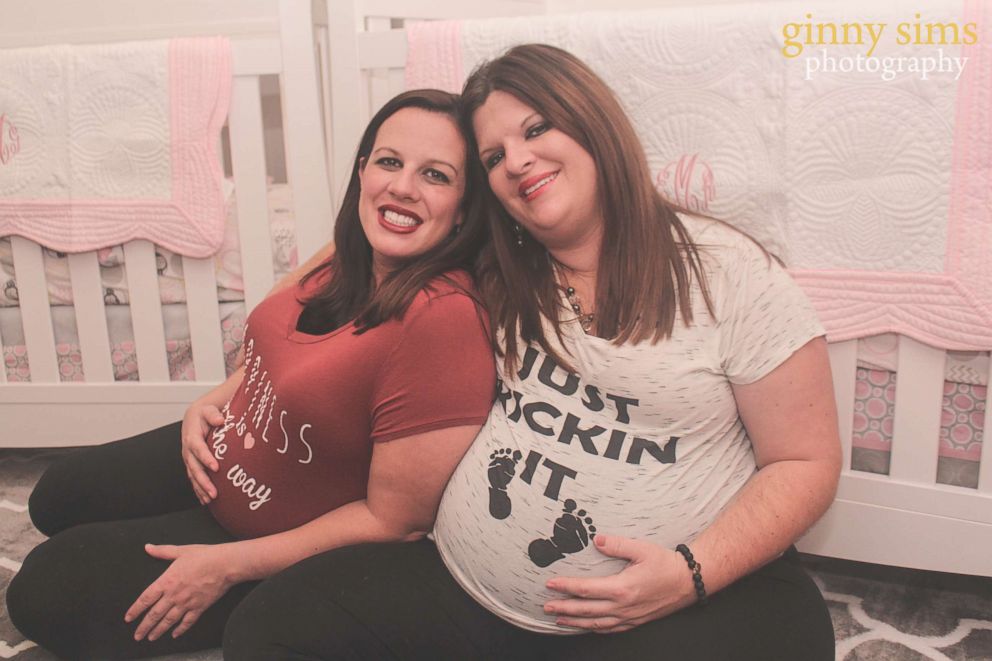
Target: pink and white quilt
876,193
101,144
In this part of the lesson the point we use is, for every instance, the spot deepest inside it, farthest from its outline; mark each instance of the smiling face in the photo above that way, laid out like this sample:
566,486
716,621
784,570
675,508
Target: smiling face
412,184
546,180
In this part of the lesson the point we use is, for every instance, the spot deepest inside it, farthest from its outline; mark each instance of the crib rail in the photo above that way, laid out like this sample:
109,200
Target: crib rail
118,409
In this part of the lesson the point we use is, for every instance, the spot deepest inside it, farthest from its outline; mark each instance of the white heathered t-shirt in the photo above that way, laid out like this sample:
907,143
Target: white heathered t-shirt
643,441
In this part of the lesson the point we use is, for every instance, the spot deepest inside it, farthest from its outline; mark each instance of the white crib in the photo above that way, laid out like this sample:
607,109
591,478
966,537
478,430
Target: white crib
290,39
338,61
284,38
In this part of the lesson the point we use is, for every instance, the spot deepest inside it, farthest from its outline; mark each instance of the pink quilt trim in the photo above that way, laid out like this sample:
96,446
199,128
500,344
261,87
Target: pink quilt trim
200,80
939,310
191,221
434,56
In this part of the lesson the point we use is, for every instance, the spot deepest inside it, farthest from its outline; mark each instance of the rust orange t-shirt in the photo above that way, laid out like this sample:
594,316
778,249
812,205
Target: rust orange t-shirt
298,433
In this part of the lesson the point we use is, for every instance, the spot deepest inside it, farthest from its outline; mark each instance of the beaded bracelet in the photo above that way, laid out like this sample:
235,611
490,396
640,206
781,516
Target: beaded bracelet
697,576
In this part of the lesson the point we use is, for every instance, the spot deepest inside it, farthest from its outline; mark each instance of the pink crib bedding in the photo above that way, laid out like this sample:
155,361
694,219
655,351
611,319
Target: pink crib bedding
961,423
962,410
961,427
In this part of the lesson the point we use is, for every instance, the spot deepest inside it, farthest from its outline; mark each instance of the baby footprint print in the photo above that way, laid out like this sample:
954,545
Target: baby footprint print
502,468
571,533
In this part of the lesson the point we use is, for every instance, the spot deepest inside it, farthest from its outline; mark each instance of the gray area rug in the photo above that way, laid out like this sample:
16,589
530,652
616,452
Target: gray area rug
879,613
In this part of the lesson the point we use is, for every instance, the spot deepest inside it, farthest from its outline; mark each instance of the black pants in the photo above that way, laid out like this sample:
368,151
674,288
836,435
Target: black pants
397,601
100,506
378,601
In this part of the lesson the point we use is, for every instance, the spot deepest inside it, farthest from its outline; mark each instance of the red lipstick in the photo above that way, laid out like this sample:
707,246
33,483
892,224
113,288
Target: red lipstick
396,227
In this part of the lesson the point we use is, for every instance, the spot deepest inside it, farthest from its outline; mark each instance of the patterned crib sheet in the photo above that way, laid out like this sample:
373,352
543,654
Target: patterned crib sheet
962,410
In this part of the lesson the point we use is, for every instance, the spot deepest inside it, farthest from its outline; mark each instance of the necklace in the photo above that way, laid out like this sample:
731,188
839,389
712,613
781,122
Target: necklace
585,319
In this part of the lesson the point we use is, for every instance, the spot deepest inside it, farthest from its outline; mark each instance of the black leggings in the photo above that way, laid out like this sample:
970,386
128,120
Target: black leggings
371,602
100,506
398,602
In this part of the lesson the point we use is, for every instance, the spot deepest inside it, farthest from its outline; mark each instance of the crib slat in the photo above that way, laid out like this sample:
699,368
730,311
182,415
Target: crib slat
146,311
324,76
985,467
916,425
346,90
91,317
36,314
305,164
248,165
382,50
379,80
397,81
3,365
204,319
844,368
255,57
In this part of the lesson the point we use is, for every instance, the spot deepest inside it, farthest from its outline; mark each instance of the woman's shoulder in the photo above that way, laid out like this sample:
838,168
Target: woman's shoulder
453,289
706,232
722,245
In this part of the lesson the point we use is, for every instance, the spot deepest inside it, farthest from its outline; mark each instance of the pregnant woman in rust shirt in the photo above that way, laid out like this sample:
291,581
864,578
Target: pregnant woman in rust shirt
362,387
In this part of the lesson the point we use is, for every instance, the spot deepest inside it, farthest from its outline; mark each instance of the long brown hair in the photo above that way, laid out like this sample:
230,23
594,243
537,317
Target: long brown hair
647,258
351,291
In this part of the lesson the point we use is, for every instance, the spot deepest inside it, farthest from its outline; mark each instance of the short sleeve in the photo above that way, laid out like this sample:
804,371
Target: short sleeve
441,373
763,316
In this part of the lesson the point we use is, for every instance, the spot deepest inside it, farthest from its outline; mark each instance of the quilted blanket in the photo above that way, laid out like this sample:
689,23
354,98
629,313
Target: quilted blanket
100,144
862,158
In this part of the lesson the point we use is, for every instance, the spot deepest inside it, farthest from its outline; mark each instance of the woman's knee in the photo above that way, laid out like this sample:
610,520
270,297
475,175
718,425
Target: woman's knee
41,604
800,622
316,609
23,607
248,634
50,503
275,624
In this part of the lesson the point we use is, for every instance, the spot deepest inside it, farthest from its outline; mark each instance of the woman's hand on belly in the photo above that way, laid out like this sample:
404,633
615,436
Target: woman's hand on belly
196,579
655,583
197,423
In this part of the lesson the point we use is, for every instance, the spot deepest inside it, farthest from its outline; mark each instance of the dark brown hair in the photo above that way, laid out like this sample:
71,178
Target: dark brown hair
351,291
647,259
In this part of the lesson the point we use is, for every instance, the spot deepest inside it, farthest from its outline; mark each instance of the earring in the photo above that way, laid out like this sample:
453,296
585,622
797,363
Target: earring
455,230
518,231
